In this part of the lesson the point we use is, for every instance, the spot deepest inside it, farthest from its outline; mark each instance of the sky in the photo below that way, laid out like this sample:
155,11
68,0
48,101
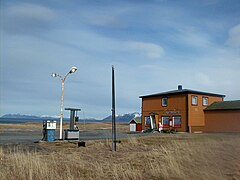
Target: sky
154,45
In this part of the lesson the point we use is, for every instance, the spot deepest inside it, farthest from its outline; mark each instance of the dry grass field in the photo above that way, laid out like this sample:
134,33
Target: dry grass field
20,126
81,126
158,156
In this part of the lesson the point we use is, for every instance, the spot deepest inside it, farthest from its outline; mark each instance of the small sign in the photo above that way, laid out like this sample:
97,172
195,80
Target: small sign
172,112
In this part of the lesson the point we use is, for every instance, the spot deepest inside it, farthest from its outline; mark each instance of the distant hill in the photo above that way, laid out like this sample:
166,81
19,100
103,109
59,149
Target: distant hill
29,117
124,118
20,116
89,120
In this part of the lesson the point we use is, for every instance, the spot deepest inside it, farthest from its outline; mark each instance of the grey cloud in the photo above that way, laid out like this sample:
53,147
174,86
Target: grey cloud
150,50
234,36
27,18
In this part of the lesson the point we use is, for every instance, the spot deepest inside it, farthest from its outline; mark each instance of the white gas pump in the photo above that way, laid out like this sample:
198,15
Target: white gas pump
73,132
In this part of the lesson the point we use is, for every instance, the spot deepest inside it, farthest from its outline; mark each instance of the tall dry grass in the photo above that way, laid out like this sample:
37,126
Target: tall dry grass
156,157
81,126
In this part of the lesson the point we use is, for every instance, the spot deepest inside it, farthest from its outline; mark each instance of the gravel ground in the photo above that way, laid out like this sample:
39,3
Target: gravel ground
26,136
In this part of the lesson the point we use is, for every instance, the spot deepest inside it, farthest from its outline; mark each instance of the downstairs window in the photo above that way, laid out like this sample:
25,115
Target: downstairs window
177,121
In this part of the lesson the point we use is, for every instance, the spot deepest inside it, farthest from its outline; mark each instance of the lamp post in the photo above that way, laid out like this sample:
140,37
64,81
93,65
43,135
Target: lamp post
72,70
113,113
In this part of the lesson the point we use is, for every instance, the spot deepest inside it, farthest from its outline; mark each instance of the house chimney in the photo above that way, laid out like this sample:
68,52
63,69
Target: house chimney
179,87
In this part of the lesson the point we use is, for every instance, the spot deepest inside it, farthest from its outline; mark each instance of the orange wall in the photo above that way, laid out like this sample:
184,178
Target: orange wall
174,103
178,102
222,121
195,112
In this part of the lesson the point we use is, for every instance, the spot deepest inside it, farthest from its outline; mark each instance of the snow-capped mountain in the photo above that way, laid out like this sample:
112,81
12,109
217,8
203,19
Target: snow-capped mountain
20,116
123,118
50,117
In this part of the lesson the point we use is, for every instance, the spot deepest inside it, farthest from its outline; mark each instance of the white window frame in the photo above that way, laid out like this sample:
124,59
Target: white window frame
194,100
205,101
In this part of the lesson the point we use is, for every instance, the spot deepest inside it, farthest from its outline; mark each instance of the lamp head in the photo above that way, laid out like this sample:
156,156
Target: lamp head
73,70
54,75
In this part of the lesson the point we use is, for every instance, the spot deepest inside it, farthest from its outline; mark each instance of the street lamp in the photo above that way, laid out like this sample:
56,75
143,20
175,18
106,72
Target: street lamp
72,70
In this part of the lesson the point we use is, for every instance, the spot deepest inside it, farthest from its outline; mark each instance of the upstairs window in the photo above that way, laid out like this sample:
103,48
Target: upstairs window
194,100
205,101
164,101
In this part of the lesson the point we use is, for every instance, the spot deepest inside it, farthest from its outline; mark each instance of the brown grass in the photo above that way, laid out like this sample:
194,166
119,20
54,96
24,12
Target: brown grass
181,156
100,125
81,126
21,126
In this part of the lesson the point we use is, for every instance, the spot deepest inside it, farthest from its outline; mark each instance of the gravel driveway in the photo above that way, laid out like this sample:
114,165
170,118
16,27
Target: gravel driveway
26,136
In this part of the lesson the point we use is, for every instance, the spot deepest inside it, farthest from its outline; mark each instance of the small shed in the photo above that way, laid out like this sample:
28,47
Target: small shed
135,124
223,117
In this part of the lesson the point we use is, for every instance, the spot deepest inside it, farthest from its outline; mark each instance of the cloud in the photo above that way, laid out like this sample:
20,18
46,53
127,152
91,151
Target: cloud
234,36
101,18
103,45
192,37
27,18
150,50
204,79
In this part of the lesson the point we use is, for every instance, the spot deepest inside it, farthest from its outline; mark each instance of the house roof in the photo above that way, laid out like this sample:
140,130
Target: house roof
182,91
138,120
224,105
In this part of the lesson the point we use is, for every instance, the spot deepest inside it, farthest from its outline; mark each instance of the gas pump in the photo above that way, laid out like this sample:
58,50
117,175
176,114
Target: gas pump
49,127
73,132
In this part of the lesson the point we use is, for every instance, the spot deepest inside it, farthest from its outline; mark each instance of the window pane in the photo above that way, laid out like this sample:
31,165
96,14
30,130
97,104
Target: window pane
164,101
165,121
177,121
205,101
147,120
194,100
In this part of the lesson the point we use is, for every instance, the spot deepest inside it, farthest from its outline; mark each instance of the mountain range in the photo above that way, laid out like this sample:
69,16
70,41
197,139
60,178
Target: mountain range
123,118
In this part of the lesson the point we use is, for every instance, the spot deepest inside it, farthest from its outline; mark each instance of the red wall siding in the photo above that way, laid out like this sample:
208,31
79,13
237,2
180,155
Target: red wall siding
139,127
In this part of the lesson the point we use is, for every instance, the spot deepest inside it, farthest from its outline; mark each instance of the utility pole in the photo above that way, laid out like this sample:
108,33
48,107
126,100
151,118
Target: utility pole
113,113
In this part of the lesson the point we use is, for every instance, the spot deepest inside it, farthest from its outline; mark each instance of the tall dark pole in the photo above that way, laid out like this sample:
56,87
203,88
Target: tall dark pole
113,113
